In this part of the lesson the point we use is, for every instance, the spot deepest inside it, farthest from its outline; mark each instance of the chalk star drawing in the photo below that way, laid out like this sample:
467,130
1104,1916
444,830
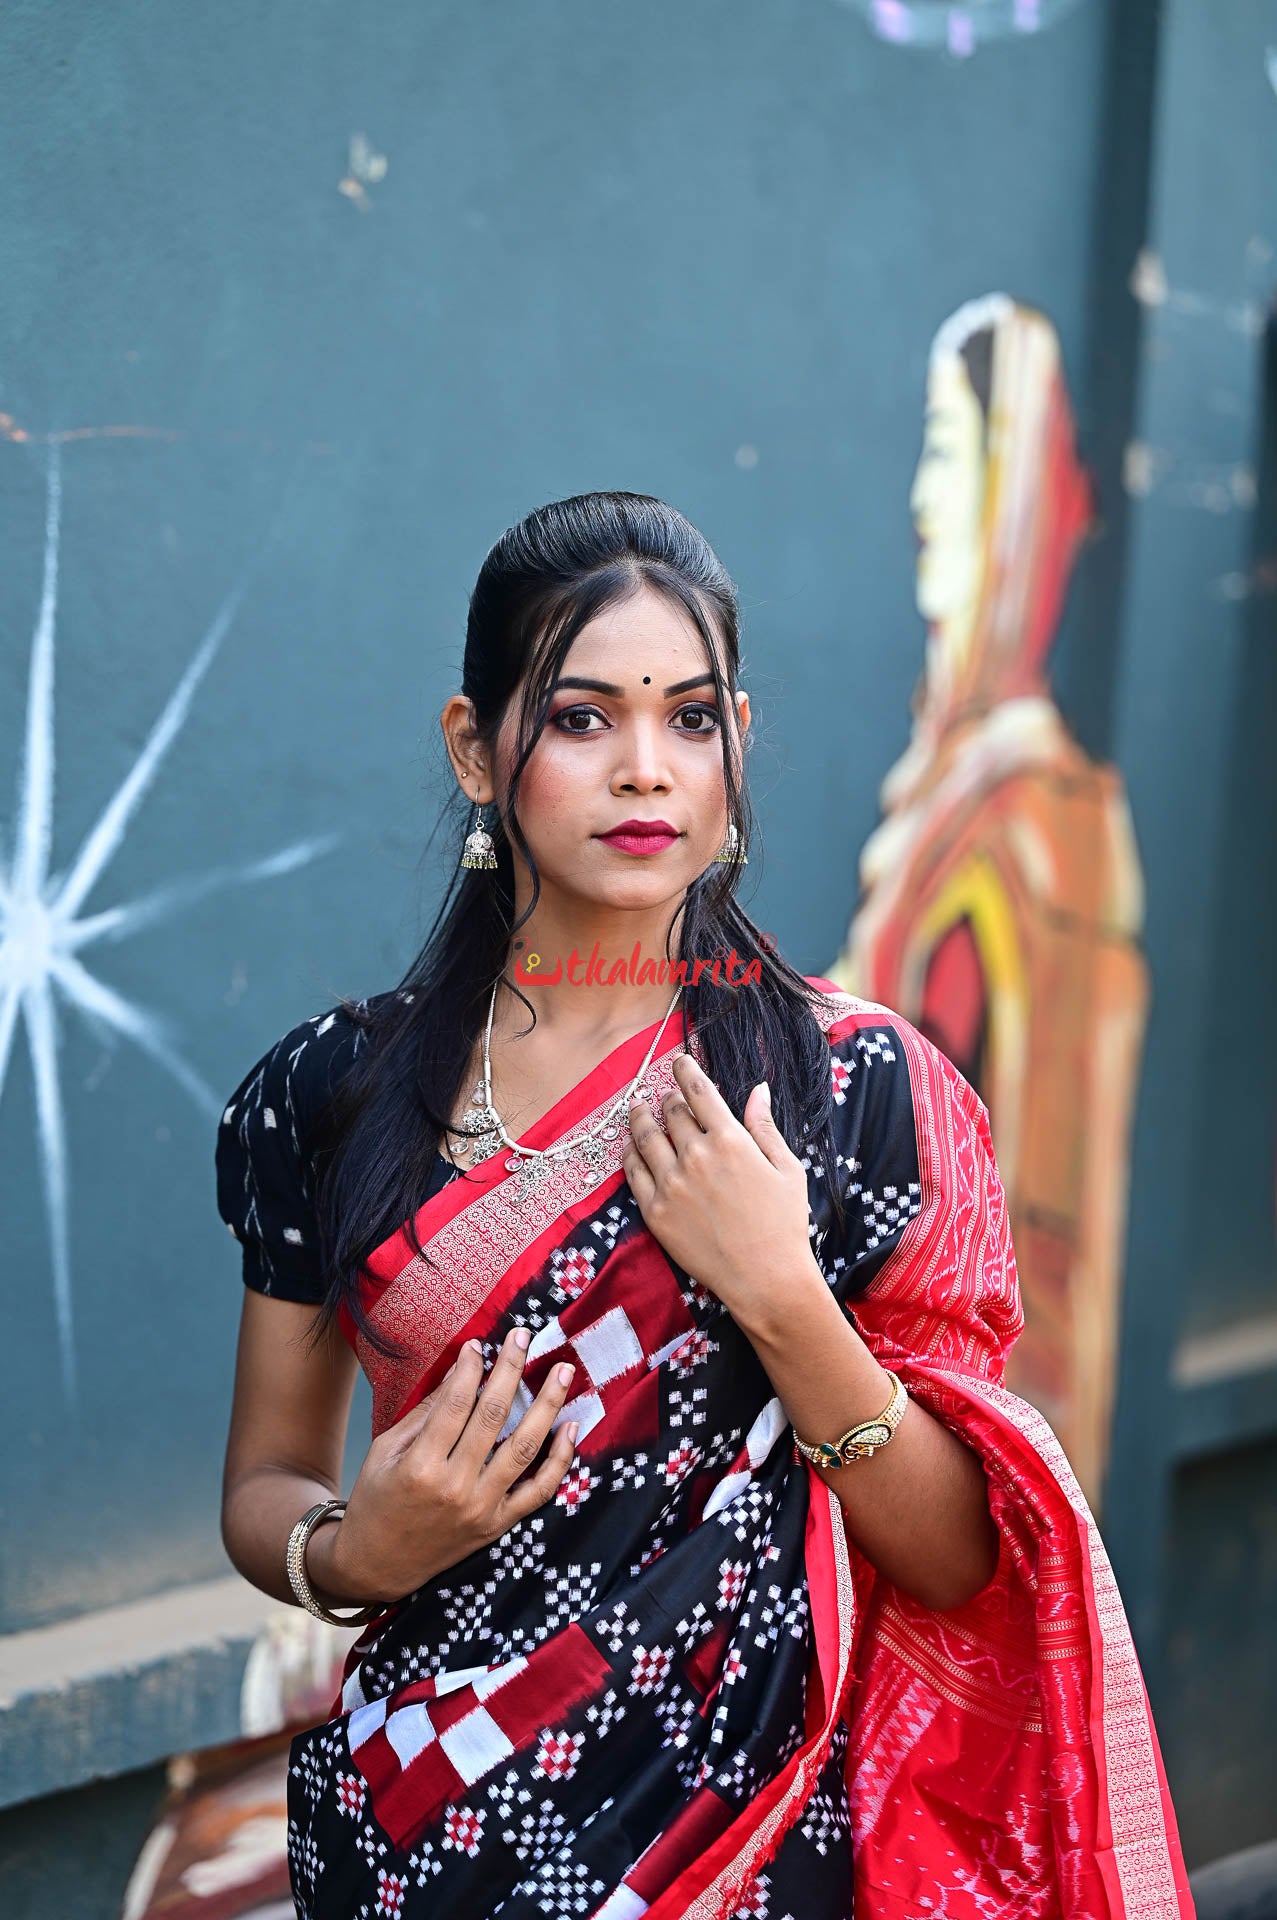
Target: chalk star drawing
42,932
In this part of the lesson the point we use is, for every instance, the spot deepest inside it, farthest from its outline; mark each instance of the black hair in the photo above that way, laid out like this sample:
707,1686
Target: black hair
977,354
541,583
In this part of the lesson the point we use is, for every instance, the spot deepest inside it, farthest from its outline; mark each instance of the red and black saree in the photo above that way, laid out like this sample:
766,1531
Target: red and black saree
677,1689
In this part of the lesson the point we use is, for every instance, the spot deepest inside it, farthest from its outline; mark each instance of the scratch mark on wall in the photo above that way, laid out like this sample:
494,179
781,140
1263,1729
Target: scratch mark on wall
1148,278
364,169
1140,464
1212,485
1150,285
10,430
19,436
958,27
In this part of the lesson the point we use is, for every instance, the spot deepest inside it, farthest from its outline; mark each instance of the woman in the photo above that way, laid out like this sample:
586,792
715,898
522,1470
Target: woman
1001,896
630,1651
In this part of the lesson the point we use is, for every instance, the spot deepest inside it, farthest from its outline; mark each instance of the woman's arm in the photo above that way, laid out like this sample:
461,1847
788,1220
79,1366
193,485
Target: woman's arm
919,1508
284,1453
728,1200
432,1489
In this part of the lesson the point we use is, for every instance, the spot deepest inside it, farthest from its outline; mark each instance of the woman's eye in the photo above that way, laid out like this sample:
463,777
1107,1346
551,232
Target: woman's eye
566,715
577,719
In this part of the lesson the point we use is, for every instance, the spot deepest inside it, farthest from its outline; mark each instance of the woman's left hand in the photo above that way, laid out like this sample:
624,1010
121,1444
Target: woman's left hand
726,1198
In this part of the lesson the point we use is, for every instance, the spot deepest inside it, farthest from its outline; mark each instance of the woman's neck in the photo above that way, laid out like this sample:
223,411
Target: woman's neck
591,979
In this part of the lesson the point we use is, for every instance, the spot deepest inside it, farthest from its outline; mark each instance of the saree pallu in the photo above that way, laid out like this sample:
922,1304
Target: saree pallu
677,1689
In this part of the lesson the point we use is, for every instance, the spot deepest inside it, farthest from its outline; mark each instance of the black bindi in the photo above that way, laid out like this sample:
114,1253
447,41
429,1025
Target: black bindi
647,679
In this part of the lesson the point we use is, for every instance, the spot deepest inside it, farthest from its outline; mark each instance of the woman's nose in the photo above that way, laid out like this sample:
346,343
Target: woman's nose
643,761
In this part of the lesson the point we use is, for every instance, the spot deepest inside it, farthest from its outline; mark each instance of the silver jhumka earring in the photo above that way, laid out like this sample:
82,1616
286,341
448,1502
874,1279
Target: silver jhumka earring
732,851
477,851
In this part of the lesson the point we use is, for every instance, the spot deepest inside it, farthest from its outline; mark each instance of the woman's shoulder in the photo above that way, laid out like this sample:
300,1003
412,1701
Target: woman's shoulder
267,1142
866,1033
288,1084
844,1017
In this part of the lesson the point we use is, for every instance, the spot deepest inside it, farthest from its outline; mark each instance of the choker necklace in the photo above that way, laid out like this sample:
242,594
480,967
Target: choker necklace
531,1164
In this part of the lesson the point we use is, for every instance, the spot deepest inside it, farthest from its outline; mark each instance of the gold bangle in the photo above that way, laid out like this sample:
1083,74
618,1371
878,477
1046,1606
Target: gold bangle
859,1442
295,1561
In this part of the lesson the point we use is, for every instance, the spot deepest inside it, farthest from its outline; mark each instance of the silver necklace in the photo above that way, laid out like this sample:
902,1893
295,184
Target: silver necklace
489,1135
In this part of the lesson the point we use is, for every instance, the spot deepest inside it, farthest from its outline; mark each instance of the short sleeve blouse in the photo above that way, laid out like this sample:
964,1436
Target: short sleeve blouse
265,1152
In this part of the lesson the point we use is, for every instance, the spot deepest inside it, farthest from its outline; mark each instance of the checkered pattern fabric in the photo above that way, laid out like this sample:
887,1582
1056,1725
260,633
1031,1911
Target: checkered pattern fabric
570,1720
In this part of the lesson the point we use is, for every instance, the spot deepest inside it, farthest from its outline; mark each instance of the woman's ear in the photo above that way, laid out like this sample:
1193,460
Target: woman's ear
465,748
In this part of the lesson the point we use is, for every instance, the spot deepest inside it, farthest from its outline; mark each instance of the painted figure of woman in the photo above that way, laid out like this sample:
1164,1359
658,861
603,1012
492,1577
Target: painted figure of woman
709,1567
1000,896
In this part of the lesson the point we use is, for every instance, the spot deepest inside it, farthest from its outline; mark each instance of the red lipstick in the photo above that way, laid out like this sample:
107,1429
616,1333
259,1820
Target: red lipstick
641,836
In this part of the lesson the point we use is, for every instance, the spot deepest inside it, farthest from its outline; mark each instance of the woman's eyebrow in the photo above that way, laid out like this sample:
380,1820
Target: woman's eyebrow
606,686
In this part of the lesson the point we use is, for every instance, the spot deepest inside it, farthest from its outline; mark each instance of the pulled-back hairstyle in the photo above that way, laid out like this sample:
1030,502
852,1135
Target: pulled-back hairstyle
543,581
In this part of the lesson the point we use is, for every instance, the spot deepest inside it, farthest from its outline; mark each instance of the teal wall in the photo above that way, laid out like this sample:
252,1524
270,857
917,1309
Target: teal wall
587,265
698,250
1191,1515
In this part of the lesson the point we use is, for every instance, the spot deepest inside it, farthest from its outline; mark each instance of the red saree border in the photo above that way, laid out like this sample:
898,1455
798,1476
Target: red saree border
1137,1849
474,1234
957,1324
585,1100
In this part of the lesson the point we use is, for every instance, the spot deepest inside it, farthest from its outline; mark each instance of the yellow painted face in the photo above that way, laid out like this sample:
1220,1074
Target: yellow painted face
947,499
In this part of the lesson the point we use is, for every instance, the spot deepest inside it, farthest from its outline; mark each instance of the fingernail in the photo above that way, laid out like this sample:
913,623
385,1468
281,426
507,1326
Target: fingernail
574,1427
522,1338
476,1346
565,1376
767,1092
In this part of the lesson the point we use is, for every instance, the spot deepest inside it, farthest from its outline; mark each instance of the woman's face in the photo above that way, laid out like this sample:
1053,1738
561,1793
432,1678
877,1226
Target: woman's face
947,500
643,745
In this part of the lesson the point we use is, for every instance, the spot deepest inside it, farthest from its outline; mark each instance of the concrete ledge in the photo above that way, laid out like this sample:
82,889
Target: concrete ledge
1226,1387
1242,1886
130,1685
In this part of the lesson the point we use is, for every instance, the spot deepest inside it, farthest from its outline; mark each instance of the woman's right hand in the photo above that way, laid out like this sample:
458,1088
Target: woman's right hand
427,1495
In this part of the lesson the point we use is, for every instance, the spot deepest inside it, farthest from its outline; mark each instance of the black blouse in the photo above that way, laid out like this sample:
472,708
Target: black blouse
266,1171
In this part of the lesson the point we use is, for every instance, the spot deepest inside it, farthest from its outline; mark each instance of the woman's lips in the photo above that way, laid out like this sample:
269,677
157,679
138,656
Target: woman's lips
639,842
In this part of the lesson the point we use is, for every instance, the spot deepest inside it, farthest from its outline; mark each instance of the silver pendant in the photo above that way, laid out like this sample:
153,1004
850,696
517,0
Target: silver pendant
485,1139
529,1175
593,1154
489,1141
486,1144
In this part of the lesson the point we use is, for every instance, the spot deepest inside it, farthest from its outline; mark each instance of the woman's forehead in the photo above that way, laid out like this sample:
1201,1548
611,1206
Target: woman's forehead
647,619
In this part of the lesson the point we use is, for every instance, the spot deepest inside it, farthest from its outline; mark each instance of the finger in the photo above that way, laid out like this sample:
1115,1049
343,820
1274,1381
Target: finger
452,1402
708,1106
760,1124
638,1174
519,1449
492,1410
657,1153
545,1482
405,1429
681,1123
